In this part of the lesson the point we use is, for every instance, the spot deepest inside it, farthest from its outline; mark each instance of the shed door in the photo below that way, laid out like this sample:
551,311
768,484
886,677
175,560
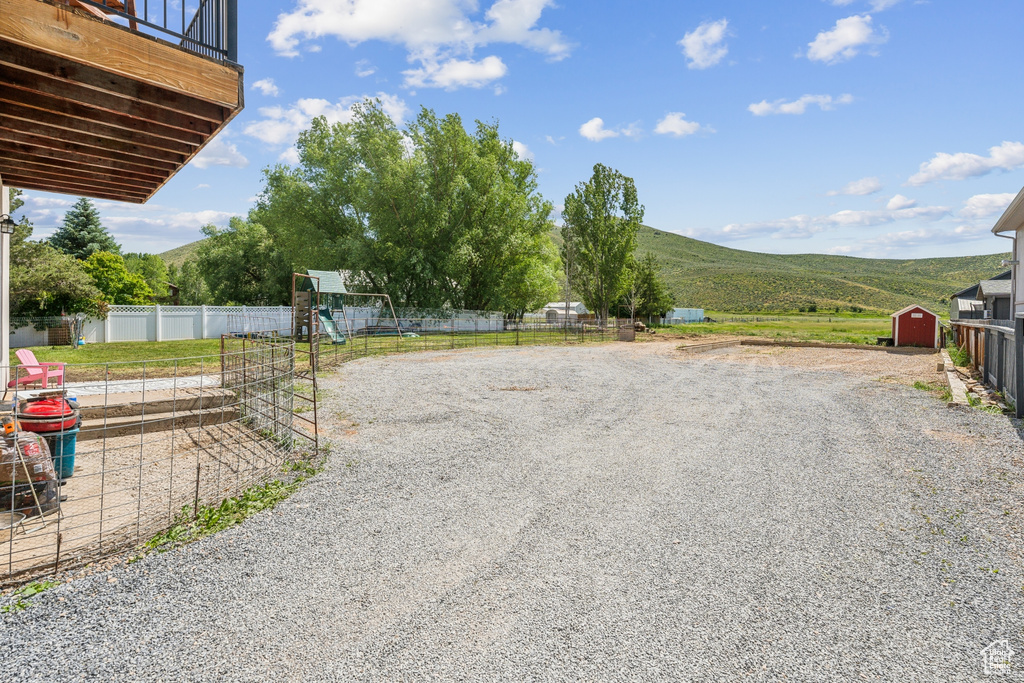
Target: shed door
917,328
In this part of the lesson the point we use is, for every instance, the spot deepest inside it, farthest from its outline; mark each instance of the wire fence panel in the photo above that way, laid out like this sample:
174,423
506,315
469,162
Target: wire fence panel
145,445
356,338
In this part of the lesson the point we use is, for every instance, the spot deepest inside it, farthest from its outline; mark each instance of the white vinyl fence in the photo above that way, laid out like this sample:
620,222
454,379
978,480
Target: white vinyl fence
418,321
167,323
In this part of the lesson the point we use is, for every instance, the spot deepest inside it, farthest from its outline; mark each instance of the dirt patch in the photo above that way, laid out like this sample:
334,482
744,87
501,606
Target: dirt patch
126,488
899,366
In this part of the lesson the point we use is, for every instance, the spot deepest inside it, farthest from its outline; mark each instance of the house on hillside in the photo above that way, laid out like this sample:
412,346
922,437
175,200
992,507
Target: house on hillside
968,305
554,311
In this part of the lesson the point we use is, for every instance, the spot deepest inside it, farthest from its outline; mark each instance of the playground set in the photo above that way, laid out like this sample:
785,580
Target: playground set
318,304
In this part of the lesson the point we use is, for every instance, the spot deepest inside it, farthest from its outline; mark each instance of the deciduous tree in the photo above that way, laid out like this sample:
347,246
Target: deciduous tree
115,282
152,269
242,265
601,220
435,216
44,281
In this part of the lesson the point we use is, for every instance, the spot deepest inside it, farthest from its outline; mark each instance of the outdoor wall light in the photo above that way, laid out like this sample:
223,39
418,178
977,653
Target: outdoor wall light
1007,262
7,224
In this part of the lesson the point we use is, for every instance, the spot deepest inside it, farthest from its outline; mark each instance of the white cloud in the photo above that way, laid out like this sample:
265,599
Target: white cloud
435,33
986,205
704,46
220,152
203,186
858,188
281,125
551,140
44,202
594,130
456,73
876,5
799,106
522,150
845,41
675,124
803,225
1007,156
197,219
900,202
267,87
364,68
289,156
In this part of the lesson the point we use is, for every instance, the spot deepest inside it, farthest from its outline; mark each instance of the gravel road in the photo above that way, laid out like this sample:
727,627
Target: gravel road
613,512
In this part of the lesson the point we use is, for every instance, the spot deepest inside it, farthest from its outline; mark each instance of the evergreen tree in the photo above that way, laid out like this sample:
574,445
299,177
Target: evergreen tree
82,235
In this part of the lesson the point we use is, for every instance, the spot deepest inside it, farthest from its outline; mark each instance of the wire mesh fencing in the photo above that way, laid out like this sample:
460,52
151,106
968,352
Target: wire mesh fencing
353,338
132,448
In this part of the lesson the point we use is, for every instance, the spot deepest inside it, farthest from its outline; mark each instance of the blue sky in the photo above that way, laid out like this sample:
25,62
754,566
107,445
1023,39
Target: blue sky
884,128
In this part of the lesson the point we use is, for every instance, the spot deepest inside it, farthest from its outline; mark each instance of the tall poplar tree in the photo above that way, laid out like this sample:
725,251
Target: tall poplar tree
601,220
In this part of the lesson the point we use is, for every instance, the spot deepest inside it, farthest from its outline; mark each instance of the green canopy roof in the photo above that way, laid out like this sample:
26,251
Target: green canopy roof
330,281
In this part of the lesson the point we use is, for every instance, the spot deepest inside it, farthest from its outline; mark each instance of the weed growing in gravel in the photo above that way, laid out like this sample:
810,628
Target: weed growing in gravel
961,357
26,591
191,525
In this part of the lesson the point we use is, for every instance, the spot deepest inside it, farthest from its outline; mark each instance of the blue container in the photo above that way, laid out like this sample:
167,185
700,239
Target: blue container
62,449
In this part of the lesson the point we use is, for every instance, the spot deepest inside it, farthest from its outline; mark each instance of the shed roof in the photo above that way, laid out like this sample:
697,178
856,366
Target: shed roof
994,288
330,281
910,308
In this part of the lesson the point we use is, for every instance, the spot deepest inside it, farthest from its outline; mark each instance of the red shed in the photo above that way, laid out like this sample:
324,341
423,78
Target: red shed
915,326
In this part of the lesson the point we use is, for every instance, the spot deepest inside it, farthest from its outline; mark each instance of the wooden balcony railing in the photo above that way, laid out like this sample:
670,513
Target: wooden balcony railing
212,30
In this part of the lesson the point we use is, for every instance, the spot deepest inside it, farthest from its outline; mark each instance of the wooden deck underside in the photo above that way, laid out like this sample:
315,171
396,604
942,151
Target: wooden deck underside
91,108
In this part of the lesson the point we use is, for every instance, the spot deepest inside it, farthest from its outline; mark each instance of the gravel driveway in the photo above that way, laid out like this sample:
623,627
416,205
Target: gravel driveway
610,512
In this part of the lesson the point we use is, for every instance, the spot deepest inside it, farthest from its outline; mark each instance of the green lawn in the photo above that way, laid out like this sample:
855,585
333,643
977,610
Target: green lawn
816,327
163,359
122,360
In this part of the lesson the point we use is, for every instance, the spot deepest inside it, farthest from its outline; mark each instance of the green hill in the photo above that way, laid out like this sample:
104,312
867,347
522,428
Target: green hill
704,275
179,255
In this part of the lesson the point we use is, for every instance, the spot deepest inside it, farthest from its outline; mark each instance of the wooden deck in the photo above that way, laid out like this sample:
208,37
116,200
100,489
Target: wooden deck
92,108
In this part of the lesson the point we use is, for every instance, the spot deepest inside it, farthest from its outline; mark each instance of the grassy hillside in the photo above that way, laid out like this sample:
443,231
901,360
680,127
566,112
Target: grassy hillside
704,275
179,255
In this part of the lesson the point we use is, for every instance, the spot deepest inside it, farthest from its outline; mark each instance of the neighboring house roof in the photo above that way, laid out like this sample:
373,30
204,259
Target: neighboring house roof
1013,218
965,305
330,281
994,288
972,291
573,305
